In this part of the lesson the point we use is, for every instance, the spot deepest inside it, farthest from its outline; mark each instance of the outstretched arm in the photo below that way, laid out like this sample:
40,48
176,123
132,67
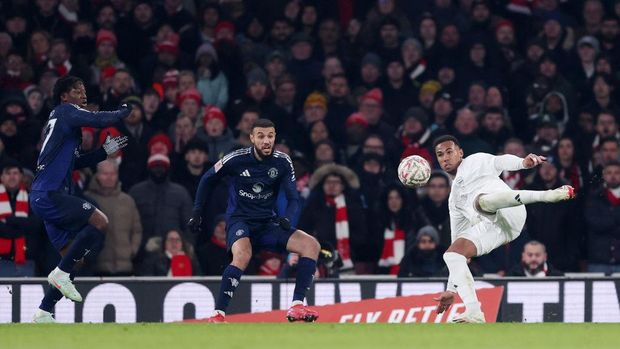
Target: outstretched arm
111,146
89,159
79,117
509,162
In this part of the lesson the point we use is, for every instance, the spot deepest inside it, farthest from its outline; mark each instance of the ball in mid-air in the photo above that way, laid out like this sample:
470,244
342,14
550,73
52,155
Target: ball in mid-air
414,171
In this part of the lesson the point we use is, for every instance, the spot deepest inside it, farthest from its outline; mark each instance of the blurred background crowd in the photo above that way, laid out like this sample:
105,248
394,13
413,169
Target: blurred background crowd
353,87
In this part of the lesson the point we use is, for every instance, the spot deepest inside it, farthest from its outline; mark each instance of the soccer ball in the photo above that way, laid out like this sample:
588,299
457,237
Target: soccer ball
414,171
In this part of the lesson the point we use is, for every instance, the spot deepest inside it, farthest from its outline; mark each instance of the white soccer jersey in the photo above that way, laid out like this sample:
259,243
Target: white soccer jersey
479,174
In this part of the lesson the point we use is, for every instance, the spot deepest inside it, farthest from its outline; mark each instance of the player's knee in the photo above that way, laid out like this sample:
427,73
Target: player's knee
242,258
314,247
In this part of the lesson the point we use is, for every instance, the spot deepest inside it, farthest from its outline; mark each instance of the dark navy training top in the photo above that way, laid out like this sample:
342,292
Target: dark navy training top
254,187
60,152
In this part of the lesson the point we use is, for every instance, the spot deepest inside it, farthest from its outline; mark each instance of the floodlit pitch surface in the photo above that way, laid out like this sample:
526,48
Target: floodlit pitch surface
315,336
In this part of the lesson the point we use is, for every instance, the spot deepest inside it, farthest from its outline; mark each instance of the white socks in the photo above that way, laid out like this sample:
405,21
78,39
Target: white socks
461,280
495,201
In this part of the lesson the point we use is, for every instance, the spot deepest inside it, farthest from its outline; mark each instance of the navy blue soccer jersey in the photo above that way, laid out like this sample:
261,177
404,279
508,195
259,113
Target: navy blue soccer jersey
254,186
60,152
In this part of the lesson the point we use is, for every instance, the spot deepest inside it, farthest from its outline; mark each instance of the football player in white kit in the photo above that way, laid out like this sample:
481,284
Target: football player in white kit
484,214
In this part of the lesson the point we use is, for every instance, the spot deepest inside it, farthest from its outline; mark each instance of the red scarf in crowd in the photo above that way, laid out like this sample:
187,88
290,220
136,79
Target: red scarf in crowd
21,210
573,175
393,249
514,179
342,229
613,200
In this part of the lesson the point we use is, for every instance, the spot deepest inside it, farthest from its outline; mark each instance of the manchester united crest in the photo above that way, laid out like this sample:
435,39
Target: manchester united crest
273,172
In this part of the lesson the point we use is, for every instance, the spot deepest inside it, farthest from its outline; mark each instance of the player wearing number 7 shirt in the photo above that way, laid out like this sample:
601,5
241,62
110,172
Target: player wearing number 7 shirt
72,223
484,214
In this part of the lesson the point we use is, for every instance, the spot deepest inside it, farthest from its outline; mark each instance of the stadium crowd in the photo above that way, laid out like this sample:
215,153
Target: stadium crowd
353,87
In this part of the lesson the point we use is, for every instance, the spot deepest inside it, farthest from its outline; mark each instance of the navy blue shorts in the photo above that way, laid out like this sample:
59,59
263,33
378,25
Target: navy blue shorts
263,235
64,215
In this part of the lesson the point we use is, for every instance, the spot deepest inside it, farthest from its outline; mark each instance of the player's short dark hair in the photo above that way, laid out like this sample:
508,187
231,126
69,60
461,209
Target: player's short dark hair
263,123
445,138
64,85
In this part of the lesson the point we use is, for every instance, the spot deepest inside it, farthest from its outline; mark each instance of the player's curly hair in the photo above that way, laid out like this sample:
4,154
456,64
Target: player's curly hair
64,85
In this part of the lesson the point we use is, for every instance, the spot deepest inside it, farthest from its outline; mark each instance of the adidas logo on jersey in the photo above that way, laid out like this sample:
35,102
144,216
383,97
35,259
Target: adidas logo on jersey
245,173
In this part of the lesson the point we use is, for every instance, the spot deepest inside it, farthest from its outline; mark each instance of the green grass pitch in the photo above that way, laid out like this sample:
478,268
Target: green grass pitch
315,336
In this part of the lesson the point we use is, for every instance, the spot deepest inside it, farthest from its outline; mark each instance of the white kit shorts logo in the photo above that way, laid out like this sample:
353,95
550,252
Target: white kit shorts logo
273,172
86,206
239,232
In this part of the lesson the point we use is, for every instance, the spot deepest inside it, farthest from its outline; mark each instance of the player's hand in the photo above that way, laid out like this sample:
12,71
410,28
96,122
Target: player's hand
533,160
284,223
445,301
195,223
112,145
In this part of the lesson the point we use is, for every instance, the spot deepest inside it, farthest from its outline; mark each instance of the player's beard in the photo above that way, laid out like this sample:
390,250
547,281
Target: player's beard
261,153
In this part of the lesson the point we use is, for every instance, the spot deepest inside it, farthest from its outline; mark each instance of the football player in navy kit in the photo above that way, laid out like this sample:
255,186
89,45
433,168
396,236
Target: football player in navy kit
258,174
73,224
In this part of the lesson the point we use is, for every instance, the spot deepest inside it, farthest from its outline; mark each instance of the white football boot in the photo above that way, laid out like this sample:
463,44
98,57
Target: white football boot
63,283
43,317
565,192
472,317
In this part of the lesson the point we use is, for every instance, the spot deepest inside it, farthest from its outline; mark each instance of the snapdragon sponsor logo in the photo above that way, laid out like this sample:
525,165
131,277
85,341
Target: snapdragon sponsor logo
261,196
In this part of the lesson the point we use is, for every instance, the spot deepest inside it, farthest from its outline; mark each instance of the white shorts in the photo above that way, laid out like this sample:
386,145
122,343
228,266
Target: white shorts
495,230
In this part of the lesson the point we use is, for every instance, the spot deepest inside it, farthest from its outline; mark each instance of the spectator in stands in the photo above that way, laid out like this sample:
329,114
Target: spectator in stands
215,133
534,262
356,128
38,49
547,135
397,92
416,67
423,258
494,128
571,170
195,163
171,255
602,216
339,105
123,86
466,126
184,131
139,133
415,134
106,55
244,127
433,208
124,232
603,93
213,254
19,228
212,83
284,111
334,191
427,94
393,228
163,205
373,178
557,226
608,151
